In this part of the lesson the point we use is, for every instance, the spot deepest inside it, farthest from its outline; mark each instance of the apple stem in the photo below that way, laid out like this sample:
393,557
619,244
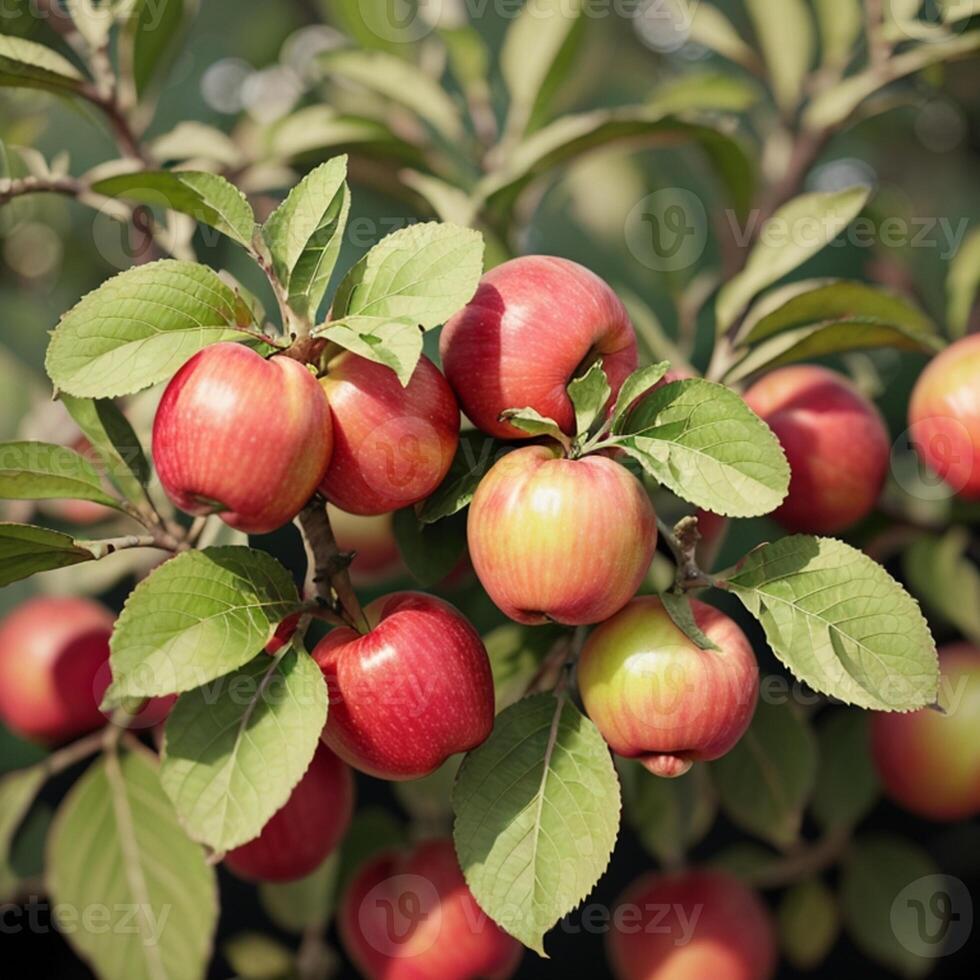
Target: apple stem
806,860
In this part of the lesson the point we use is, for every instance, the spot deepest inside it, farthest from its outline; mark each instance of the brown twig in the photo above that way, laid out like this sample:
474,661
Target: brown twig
682,540
807,860
68,186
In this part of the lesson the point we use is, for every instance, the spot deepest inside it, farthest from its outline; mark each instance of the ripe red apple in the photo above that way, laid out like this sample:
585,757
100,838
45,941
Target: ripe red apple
51,654
301,835
243,437
929,762
561,539
413,691
691,925
372,539
532,324
836,443
944,416
392,445
410,916
656,697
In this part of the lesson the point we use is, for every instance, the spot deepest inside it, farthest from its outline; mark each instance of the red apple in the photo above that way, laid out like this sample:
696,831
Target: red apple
836,443
301,835
691,925
411,917
533,323
413,691
929,762
372,539
560,539
944,416
52,655
243,437
656,697
392,445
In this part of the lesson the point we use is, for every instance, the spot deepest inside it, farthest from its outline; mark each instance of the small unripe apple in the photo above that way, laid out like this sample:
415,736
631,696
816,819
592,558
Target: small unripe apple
533,323
392,445
929,762
414,690
243,437
835,441
655,696
372,539
944,416
299,837
560,539
691,925
410,916
52,655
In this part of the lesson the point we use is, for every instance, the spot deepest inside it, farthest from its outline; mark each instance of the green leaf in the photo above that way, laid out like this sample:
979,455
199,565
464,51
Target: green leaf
963,283
840,23
206,197
423,273
765,781
475,455
235,749
703,442
116,846
190,140
678,607
25,862
26,550
254,956
139,327
17,792
712,29
809,923
589,395
305,903
305,232
847,784
516,653
153,34
374,830
840,623
668,815
27,64
430,551
940,573
428,800
537,812
888,899
746,860
396,344
709,90
446,200
531,421
956,10
785,32
195,618
42,471
637,384
795,233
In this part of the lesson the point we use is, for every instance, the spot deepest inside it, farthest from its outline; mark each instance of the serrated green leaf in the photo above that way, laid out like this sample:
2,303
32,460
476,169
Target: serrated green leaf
197,617
27,64
785,32
703,442
235,749
532,422
847,784
139,327
430,551
637,384
764,782
475,455
962,284
206,197
795,233
305,232
840,23
307,902
115,845
809,923
537,812
423,273
26,550
42,471
589,395
678,607
840,623
396,344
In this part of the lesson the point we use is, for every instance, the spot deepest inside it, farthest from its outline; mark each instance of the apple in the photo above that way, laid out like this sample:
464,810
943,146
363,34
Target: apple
691,925
53,667
836,443
532,325
656,697
568,540
944,416
300,836
410,916
409,693
929,762
243,437
392,445
372,539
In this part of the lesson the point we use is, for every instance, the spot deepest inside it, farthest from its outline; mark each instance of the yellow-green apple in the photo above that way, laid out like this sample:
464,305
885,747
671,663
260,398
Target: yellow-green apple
568,540
944,416
533,323
691,925
243,437
655,696
392,444
372,539
53,655
836,443
929,762
412,691
410,916
300,835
